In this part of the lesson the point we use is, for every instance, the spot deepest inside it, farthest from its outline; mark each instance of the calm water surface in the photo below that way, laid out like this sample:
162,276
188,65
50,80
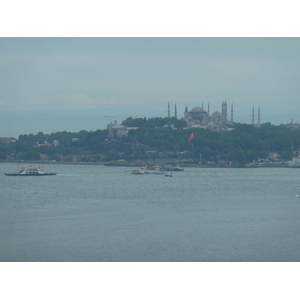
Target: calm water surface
98,213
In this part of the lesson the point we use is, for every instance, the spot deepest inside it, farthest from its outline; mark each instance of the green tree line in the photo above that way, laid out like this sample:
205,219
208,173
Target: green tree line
163,138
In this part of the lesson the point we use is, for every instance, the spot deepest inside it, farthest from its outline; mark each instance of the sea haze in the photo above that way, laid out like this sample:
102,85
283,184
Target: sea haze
98,213
14,123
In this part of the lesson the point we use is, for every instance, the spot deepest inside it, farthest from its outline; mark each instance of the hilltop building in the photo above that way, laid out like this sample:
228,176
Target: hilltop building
114,129
199,117
117,130
5,140
291,126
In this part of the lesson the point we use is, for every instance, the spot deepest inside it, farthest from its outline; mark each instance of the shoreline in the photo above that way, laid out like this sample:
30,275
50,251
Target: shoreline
144,163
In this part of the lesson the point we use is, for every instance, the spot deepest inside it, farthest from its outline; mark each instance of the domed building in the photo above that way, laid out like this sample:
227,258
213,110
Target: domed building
196,115
199,117
217,117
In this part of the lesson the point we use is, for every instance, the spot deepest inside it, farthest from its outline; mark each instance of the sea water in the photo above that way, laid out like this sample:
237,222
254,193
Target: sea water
97,213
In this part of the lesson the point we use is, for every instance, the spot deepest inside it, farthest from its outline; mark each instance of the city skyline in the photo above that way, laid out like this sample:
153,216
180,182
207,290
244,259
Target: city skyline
138,76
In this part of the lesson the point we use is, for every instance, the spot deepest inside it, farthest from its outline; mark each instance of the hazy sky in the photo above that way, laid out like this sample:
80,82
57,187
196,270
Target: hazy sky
147,73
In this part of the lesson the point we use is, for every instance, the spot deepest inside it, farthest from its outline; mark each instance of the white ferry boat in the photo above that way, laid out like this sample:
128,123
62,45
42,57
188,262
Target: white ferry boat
178,168
146,170
295,163
31,171
139,171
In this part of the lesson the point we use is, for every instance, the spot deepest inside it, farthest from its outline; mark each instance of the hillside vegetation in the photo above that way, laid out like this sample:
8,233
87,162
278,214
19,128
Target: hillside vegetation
154,140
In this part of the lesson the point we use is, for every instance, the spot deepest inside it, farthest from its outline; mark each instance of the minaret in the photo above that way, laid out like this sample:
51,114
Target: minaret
253,115
175,111
258,117
208,109
224,113
222,116
231,112
186,114
168,109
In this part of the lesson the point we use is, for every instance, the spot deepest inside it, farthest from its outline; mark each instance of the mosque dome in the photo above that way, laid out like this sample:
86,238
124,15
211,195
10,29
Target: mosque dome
216,114
197,111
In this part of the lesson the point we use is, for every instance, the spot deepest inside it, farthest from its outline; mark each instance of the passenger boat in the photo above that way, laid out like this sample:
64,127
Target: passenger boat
156,170
139,171
295,163
31,171
178,168
145,170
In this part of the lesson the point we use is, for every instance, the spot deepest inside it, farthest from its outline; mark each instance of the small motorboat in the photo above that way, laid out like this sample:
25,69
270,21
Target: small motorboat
31,171
168,175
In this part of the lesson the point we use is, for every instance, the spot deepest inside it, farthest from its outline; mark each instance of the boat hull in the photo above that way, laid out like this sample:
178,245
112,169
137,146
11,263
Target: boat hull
295,163
17,174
